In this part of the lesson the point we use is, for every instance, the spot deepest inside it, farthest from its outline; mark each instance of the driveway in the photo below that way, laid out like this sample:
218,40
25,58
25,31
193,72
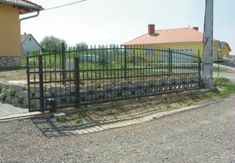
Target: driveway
202,135
8,110
229,73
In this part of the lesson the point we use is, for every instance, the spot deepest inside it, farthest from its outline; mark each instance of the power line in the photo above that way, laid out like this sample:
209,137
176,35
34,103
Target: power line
68,4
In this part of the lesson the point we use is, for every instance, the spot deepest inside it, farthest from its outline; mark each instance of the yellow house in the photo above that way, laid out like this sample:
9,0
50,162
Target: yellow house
10,10
225,49
186,40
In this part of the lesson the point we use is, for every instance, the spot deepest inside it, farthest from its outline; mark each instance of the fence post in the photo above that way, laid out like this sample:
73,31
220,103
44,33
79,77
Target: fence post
41,90
170,62
63,61
77,80
133,53
28,82
125,62
199,69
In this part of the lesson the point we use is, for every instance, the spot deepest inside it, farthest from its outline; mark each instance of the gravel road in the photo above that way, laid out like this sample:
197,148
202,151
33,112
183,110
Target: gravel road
202,135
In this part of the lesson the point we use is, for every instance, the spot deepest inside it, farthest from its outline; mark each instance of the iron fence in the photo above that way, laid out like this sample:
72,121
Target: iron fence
75,77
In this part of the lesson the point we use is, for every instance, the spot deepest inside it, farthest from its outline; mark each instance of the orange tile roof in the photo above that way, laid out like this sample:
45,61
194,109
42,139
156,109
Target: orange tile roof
24,6
23,37
177,35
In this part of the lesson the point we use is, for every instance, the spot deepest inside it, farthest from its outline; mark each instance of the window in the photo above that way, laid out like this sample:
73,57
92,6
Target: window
185,51
149,51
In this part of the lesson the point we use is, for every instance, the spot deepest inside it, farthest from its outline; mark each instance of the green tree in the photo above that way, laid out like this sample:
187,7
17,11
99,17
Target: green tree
81,45
52,43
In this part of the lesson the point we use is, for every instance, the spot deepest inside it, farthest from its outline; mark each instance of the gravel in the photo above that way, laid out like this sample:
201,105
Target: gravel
201,135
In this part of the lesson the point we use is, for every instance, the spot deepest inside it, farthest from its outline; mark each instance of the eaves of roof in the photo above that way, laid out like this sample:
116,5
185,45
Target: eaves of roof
24,6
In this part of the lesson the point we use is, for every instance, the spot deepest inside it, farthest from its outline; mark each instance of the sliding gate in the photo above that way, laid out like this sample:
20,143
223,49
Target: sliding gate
76,77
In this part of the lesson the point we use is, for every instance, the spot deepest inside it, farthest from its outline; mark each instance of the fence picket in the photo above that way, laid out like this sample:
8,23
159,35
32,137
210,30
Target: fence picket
99,74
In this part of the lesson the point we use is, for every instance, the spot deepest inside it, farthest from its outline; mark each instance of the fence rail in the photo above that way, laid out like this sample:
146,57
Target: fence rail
76,77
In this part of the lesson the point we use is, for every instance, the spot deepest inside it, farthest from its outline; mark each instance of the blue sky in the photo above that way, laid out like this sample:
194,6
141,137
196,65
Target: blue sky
118,21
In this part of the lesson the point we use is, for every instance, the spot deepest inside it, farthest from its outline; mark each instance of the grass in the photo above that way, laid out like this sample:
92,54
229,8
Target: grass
61,119
221,69
225,87
77,117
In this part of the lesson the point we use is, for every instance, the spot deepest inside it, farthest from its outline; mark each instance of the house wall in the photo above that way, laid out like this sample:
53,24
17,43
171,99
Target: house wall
30,45
219,51
216,47
225,52
9,36
196,47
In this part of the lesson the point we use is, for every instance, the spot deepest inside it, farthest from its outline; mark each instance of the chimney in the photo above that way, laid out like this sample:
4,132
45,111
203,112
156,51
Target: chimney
196,28
151,29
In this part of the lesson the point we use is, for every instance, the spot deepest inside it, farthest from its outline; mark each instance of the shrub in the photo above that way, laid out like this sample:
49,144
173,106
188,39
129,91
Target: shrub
221,81
12,92
20,99
3,97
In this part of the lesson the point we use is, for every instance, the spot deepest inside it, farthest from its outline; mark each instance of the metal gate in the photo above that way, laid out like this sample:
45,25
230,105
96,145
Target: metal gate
85,76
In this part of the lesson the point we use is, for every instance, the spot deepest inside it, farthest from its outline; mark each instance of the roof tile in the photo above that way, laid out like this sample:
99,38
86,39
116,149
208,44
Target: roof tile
177,35
23,4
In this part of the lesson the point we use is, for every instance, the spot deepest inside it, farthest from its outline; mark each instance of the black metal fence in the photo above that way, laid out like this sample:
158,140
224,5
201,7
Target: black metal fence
99,74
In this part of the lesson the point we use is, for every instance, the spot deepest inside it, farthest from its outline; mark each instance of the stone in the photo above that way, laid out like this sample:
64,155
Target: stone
137,83
89,87
9,100
2,86
6,62
15,101
26,98
17,87
71,89
4,90
106,91
55,90
151,83
107,86
34,90
122,85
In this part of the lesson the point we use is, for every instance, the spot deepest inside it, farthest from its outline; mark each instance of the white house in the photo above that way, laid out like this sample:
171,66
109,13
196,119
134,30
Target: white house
29,44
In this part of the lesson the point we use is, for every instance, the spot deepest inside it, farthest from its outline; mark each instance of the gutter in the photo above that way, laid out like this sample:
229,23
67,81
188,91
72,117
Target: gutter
29,17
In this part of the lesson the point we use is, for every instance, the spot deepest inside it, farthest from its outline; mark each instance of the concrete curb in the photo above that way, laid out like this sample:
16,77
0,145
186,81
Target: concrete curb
22,116
135,121
138,120
31,115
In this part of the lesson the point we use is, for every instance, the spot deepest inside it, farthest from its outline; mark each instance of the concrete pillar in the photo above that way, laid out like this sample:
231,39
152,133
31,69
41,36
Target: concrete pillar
207,66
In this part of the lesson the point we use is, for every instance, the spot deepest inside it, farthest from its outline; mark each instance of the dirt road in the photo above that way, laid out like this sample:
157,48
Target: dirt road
202,135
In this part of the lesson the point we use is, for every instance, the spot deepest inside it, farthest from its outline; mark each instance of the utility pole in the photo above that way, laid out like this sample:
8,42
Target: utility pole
207,66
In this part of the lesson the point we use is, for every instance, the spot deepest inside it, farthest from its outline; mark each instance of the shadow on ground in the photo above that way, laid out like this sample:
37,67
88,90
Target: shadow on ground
113,113
49,127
